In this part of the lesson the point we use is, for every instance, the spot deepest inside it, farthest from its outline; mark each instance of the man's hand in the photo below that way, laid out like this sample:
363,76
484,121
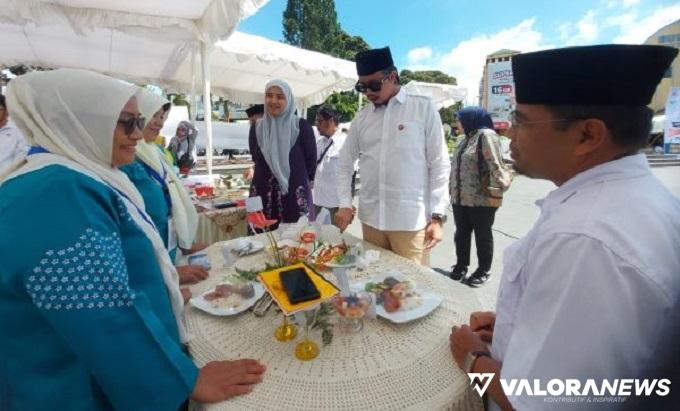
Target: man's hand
343,218
221,380
482,323
433,234
464,341
191,274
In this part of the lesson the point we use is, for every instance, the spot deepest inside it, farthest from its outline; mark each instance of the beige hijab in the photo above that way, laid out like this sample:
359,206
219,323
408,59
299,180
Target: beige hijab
184,215
73,115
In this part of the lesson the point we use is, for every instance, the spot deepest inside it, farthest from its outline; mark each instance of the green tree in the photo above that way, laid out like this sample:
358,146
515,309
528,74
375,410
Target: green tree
427,76
292,23
347,46
311,24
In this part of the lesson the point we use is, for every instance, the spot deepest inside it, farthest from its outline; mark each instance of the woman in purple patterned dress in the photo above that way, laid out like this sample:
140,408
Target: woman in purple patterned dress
283,148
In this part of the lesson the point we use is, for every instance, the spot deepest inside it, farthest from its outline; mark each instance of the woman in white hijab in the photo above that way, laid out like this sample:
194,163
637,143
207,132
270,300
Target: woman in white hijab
167,201
183,146
283,148
90,309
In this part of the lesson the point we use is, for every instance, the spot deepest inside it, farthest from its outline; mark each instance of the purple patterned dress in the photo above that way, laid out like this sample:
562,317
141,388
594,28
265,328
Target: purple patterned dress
288,207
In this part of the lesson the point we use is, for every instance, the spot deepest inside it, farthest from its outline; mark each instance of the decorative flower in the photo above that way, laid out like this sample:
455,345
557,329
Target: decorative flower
258,220
308,237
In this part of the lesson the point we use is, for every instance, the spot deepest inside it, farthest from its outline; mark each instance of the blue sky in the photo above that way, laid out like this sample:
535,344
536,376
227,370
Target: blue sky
455,35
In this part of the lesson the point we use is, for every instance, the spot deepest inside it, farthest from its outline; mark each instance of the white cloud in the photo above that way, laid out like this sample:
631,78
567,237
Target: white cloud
626,4
636,31
587,28
620,20
419,54
466,60
584,31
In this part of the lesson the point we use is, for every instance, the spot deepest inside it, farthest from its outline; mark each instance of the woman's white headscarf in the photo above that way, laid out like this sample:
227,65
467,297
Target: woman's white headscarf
277,135
184,215
73,115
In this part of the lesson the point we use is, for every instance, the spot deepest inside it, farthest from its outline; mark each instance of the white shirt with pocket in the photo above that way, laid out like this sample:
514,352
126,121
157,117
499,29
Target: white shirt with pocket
404,164
325,181
589,291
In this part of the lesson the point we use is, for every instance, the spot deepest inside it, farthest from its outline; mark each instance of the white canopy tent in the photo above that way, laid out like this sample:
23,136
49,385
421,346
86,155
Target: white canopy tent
243,63
443,95
204,21
118,37
239,66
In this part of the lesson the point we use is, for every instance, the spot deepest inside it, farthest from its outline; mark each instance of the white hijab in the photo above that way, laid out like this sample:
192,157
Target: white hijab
73,115
277,135
184,215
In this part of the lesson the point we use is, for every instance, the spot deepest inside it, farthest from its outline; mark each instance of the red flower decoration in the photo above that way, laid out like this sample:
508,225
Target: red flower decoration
258,220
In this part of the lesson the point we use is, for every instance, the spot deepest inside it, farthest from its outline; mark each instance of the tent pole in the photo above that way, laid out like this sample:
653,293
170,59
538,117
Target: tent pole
192,97
207,107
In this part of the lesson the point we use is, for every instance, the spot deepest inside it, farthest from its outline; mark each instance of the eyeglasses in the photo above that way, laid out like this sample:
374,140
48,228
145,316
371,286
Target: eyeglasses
373,85
516,123
130,123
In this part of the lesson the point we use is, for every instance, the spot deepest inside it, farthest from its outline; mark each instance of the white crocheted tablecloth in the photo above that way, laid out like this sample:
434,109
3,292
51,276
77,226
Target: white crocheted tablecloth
221,225
385,366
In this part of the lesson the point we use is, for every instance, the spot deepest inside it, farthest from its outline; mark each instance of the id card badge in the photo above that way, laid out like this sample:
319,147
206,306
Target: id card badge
172,235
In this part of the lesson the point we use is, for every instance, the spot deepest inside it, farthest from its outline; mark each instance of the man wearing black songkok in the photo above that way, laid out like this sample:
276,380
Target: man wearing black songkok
588,293
404,163
255,112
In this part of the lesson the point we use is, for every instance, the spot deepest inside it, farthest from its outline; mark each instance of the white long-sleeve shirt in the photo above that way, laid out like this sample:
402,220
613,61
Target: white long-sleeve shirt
12,145
404,163
325,181
589,291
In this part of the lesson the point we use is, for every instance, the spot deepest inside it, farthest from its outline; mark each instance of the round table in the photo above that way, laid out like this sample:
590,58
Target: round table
385,366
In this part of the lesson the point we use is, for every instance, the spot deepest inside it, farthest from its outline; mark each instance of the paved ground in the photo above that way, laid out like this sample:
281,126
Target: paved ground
513,220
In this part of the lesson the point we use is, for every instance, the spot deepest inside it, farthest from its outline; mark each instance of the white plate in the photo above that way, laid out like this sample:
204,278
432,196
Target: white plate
240,244
430,300
202,304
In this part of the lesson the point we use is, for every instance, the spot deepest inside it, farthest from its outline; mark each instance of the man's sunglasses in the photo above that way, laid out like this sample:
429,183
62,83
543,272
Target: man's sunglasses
130,123
373,85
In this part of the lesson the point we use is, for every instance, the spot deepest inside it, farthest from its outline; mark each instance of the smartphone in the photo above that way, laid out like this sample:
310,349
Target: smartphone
200,259
298,286
228,204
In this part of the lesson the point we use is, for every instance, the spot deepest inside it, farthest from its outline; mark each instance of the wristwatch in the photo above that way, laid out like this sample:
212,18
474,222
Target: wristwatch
471,357
439,217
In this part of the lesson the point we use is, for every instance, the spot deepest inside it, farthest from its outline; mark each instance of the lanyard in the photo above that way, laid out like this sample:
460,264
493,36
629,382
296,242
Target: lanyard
41,150
139,211
37,150
161,181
